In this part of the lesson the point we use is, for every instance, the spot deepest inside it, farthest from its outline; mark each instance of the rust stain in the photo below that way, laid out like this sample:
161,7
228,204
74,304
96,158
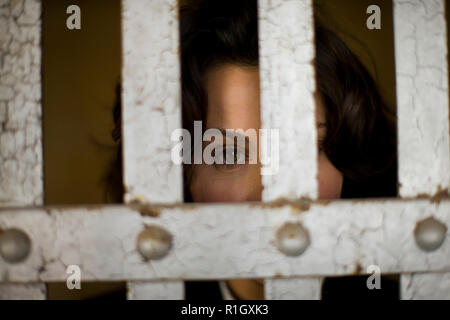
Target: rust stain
278,274
323,202
300,205
155,210
145,209
439,195
159,109
65,208
358,268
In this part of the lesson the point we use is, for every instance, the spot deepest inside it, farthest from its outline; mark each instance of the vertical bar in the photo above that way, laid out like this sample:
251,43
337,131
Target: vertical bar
155,290
151,100
423,117
286,42
30,291
422,96
425,286
21,179
21,167
293,289
151,111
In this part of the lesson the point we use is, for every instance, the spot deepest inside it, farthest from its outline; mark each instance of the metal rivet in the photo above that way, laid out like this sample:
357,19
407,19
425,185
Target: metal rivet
430,234
15,245
292,239
154,242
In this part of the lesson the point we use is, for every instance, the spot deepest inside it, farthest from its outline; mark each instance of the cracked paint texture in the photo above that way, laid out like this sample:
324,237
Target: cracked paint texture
23,291
346,237
287,78
425,286
423,117
293,289
422,96
21,179
151,100
21,171
155,290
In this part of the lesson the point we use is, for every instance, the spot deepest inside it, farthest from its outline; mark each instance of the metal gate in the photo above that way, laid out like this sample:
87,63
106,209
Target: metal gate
407,236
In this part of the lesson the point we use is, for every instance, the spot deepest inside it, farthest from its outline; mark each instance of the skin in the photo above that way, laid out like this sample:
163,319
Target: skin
233,103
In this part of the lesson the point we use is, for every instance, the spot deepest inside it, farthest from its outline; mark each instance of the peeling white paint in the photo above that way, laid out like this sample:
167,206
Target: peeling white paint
293,289
21,178
346,236
425,286
21,166
155,290
151,108
422,96
286,49
151,100
30,291
287,77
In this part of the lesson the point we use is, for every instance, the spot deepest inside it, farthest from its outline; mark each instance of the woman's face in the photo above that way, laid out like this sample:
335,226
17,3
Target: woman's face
233,103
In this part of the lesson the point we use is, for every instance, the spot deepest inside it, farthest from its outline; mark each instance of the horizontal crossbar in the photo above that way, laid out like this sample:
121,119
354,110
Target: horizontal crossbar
344,237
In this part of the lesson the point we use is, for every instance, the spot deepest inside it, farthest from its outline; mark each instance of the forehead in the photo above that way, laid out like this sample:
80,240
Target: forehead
233,94
233,97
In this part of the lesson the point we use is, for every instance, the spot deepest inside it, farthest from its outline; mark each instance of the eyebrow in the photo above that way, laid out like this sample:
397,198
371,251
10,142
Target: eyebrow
237,135
224,132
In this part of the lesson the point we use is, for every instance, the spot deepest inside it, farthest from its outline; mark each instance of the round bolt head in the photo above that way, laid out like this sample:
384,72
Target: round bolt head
292,239
430,234
154,242
15,245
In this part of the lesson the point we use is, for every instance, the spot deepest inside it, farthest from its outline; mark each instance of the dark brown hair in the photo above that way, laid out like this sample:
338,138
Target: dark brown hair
361,137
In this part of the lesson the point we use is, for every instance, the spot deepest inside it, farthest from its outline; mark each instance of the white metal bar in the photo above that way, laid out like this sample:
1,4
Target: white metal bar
155,290
286,38
21,171
21,180
423,115
344,237
422,96
29,291
151,111
425,286
293,289
151,100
